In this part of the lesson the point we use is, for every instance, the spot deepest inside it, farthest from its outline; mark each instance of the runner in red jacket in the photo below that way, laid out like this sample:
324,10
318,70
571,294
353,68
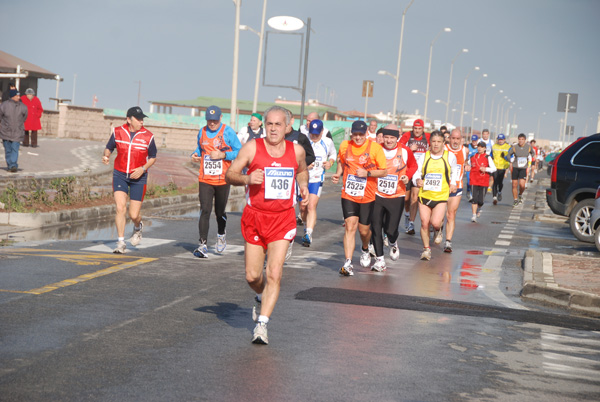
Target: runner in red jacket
136,152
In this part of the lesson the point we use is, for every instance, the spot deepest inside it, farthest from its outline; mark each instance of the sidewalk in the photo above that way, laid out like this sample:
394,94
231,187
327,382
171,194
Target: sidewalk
558,279
59,157
567,281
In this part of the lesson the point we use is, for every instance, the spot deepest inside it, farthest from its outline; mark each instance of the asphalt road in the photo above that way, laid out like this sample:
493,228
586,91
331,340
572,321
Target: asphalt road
79,323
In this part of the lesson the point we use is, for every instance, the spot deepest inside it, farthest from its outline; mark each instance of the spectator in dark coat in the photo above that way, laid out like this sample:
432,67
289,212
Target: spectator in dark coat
13,114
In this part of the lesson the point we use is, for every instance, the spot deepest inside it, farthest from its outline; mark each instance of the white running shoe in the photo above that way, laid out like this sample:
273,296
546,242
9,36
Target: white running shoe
221,243
201,251
379,265
288,254
365,259
136,237
394,252
347,269
121,246
438,236
260,334
474,218
372,250
426,254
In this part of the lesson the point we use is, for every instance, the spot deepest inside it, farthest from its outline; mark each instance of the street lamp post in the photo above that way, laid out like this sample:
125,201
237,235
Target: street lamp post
499,114
506,119
474,96
538,125
492,108
483,107
429,71
515,118
399,59
286,23
384,72
261,35
450,80
234,79
462,111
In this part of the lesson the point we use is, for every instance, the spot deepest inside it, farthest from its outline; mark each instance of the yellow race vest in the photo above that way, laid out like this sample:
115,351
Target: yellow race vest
436,178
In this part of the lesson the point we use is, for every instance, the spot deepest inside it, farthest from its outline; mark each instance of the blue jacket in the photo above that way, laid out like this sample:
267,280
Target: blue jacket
230,137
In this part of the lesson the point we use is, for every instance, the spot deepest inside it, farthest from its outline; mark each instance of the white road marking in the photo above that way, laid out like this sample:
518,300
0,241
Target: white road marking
146,243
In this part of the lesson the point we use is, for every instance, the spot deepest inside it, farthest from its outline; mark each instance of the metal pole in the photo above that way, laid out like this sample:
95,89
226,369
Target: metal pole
367,99
234,78
483,107
398,66
429,73
305,70
450,81
474,97
18,80
538,126
566,116
74,83
462,110
57,82
260,50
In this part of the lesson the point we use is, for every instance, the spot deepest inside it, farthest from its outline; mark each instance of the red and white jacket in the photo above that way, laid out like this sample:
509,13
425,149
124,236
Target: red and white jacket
131,152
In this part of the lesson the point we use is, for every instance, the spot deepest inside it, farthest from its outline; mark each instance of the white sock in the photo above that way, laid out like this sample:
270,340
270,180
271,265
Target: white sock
308,231
263,319
121,239
380,258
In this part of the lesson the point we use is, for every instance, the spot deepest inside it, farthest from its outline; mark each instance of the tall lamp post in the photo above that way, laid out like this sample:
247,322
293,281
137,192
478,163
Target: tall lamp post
399,59
462,110
429,71
261,35
286,23
384,72
537,133
234,79
499,114
450,81
492,108
483,107
474,95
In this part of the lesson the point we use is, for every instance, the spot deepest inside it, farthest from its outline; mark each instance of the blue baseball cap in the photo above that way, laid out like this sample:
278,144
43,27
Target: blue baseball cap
501,137
213,113
474,137
359,126
315,127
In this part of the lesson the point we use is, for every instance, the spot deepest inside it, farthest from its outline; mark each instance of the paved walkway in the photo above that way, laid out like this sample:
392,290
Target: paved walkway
571,282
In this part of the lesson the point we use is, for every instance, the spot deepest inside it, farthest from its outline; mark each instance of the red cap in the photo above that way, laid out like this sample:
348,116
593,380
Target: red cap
418,123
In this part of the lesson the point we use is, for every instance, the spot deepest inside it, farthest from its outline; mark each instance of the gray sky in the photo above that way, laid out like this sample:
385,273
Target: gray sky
182,49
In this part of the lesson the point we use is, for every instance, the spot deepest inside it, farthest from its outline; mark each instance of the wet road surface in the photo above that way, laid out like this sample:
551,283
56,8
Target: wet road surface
159,324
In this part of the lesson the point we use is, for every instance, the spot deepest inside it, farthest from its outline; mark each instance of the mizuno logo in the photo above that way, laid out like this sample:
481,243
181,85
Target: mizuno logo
280,173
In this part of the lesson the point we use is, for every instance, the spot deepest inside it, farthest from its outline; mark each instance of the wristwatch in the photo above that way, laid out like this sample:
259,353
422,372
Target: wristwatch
368,173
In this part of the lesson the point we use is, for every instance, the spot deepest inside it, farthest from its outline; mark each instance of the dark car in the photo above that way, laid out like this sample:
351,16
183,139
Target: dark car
549,159
595,220
573,182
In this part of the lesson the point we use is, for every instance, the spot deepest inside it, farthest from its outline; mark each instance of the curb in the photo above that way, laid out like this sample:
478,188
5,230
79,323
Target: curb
17,220
539,285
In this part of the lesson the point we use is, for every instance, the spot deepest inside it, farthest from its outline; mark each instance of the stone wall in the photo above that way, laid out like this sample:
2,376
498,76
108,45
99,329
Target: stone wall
92,124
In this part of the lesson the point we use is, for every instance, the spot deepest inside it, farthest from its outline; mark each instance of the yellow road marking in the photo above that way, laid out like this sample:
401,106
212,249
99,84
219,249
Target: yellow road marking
122,262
